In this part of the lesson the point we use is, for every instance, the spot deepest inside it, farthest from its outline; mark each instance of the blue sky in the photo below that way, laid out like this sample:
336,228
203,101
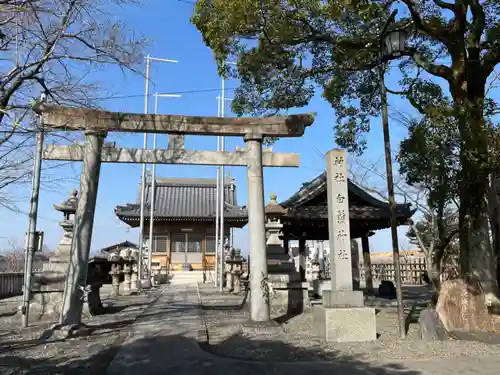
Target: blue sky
195,76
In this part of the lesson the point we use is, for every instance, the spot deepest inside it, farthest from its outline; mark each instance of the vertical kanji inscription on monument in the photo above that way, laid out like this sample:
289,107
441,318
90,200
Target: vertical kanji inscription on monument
338,220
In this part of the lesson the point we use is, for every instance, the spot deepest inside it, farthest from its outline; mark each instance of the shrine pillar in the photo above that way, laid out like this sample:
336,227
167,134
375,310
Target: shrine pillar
367,263
286,245
302,258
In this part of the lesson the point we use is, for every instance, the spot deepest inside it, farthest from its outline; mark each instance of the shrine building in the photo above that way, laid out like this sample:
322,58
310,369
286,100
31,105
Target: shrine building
184,214
306,216
184,220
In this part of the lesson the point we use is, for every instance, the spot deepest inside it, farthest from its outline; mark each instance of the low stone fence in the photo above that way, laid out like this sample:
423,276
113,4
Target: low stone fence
11,284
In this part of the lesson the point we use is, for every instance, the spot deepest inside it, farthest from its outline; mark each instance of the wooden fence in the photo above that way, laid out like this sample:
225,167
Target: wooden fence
411,271
11,284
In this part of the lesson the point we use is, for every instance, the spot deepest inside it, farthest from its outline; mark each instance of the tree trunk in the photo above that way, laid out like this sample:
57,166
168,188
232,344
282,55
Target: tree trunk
494,211
482,260
476,254
434,273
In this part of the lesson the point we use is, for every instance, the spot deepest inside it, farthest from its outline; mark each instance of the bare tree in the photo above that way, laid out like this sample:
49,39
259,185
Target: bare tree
14,257
57,47
440,230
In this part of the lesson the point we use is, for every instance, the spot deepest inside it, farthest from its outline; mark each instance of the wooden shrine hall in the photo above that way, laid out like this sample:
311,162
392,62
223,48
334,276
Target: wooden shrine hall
184,214
306,216
184,220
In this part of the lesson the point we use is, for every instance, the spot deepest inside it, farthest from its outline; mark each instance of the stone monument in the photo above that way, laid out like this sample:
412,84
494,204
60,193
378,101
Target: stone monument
343,316
289,291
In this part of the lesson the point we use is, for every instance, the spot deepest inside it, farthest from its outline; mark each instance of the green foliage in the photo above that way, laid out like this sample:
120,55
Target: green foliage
429,157
285,50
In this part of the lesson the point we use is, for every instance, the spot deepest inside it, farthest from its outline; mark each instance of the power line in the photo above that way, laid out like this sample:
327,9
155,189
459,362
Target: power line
167,93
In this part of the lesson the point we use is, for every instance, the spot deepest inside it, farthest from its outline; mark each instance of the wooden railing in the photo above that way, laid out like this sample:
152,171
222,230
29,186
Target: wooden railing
11,284
411,271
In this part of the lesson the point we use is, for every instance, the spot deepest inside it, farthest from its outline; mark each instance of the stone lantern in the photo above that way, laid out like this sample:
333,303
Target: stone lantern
235,263
289,292
278,259
51,281
59,261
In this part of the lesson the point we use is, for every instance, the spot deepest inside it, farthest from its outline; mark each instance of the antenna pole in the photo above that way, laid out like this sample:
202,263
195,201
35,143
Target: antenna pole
140,261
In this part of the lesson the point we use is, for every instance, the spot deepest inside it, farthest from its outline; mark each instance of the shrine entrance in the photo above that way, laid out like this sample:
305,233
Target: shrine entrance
186,249
96,124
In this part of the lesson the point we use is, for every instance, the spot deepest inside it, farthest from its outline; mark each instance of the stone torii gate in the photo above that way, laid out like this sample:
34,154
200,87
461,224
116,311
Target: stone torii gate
97,123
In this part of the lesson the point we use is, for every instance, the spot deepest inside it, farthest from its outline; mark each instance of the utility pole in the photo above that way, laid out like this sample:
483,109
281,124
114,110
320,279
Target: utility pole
153,190
219,239
143,176
31,242
222,189
385,38
217,207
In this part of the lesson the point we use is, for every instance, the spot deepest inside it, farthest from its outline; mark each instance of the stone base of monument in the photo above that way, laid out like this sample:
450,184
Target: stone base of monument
47,297
48,305
48,292
344,318
345,324
161,277
340,298
146,283
289,294
291,298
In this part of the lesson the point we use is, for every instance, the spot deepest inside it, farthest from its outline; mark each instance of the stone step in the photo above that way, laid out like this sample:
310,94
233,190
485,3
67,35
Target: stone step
186,277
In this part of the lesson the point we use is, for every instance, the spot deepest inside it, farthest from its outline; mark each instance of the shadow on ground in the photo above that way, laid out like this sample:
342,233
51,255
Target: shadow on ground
237,307
180,355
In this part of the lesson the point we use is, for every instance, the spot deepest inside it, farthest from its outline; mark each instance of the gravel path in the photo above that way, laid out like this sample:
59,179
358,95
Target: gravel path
295,341
23,352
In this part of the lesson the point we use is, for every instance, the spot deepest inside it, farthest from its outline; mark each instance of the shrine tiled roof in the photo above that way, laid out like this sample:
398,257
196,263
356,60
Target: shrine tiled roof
362,205
191,199
119,246
319,212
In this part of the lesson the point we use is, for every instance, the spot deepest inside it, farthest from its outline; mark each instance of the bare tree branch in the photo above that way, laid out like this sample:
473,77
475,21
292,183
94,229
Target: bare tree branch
53,46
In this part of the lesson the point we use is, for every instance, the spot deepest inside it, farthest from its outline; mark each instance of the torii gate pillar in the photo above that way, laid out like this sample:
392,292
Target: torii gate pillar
259,301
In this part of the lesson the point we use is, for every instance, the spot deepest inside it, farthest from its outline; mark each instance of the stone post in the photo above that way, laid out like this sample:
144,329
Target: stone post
259,300
115,279
343,316
84,220
338,231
